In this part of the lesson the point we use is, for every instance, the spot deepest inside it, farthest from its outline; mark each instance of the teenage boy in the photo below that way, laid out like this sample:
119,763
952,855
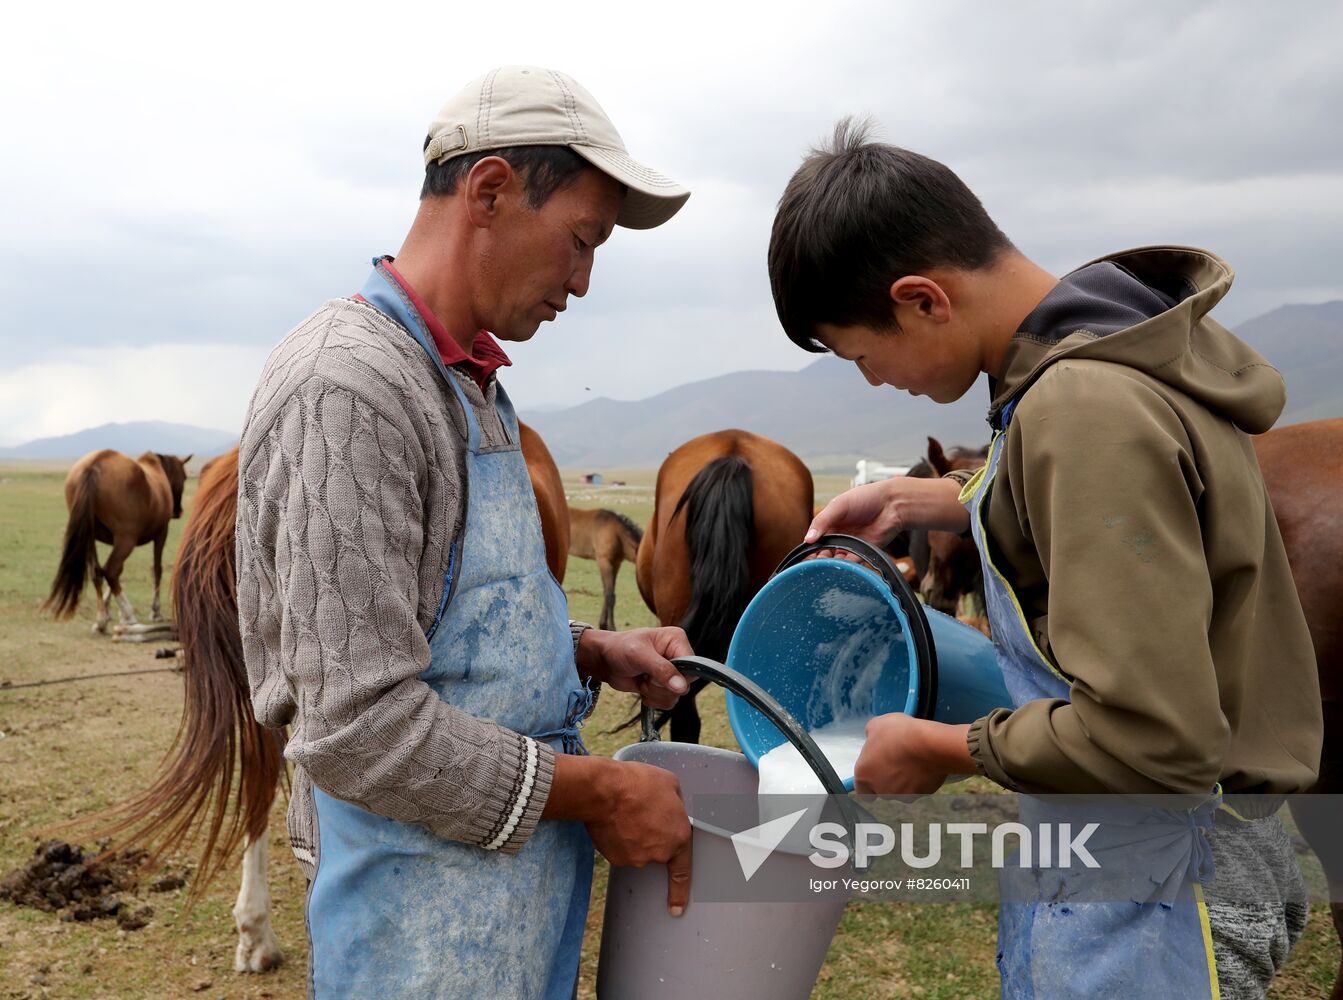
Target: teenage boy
1138,592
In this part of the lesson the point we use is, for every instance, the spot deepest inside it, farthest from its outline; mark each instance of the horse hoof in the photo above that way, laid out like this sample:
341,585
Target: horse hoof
99,628
258,955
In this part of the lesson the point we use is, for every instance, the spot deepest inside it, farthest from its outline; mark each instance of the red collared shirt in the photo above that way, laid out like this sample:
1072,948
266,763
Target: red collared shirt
486,355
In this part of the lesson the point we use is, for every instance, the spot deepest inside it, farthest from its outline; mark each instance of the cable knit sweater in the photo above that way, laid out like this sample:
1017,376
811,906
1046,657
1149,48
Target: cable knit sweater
352,481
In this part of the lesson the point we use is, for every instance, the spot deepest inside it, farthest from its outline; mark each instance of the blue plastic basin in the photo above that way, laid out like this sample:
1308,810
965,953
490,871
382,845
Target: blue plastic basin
816,625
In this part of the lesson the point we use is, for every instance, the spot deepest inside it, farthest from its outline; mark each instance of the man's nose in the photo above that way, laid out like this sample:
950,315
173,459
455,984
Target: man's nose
867,374
578,282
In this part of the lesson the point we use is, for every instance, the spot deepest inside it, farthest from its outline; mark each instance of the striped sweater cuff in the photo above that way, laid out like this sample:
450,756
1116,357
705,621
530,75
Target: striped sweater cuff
530,766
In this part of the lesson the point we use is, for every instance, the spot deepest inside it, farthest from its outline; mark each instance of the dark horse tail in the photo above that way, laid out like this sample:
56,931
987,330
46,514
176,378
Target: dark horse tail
719,530
218,732
79,555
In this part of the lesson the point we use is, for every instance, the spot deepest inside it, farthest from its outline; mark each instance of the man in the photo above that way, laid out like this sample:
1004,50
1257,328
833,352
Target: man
1139,595
395,604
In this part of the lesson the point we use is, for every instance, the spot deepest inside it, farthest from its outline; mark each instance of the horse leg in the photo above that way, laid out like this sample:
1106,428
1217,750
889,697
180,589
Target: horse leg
608,569
685,721
258,949
120,551
154,614
100,625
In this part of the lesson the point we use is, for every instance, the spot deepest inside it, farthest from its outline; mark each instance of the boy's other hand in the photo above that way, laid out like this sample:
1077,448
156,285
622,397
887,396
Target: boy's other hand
908,757
877,512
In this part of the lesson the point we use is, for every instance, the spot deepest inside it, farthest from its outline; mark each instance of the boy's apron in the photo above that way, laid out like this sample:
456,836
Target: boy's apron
396,911
1135,927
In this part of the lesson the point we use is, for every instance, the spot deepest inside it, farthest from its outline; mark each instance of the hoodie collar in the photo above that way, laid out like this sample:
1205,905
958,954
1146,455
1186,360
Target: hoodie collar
1159,294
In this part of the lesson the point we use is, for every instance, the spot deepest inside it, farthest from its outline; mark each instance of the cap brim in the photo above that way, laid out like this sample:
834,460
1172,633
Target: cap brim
651,198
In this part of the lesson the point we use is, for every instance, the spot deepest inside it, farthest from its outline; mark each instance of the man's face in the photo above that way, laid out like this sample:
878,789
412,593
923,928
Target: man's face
922,358
537,258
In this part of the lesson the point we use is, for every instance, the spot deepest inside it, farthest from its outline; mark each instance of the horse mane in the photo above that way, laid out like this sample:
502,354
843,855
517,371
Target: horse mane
218,731
630,527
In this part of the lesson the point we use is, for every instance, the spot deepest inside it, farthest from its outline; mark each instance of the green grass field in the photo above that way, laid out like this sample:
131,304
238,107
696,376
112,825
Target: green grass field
68,750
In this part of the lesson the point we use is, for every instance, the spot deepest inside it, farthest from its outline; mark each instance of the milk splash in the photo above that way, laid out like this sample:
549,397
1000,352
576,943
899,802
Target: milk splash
783,771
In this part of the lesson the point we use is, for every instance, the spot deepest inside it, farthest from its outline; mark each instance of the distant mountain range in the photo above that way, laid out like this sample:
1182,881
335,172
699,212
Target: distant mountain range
131,438
826,412
831,417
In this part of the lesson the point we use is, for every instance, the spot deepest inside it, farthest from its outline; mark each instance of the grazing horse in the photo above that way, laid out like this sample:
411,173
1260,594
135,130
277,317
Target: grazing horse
947,565
124,503
728,507
219,743
610,539
1303,471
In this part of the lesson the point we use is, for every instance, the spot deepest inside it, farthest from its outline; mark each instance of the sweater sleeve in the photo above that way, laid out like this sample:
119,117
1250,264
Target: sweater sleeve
329,535
1103,479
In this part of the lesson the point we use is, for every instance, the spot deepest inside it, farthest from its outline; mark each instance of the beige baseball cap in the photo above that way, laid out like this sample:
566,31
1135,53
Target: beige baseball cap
534,106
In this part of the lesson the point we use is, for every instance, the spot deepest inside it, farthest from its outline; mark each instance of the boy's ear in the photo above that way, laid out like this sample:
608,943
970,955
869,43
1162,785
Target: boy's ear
921,297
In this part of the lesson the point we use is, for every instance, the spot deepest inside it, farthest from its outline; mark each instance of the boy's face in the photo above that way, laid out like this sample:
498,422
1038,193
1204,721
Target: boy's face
925,356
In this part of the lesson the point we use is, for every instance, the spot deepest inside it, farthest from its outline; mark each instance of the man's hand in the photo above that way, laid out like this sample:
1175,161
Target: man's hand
633,812
878,512
910,757
638,660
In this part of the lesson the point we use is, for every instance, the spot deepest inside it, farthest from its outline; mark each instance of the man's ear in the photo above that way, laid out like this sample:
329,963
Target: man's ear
484,183
923,298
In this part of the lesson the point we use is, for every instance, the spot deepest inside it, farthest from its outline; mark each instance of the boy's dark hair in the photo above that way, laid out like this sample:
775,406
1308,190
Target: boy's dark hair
544,170
859,215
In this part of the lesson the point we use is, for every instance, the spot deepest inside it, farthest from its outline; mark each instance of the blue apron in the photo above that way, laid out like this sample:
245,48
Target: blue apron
1061,932
397,911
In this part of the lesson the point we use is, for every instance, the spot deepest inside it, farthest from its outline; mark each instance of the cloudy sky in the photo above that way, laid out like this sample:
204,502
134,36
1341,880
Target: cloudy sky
181,183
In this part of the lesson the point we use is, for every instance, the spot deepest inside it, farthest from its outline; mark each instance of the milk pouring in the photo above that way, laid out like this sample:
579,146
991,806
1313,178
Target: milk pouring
784,772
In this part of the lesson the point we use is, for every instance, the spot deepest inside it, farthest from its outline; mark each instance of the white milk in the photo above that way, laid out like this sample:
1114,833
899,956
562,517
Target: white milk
784,772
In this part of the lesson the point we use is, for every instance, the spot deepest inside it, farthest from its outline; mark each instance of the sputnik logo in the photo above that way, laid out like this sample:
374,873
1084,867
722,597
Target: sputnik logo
754,846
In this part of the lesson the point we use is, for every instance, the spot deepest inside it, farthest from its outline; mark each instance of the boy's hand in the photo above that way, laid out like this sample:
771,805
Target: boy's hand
877,512
905,756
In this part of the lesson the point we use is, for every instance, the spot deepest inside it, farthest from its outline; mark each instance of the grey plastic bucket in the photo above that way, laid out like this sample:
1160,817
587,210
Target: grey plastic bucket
745,951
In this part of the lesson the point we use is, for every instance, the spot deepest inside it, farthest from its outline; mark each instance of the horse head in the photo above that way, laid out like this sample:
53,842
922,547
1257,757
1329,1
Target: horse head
176,470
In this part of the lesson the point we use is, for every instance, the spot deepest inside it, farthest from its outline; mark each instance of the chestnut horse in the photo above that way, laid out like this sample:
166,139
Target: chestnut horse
219,736
1303,470
610,539
728,507
947,565
551,503
124,503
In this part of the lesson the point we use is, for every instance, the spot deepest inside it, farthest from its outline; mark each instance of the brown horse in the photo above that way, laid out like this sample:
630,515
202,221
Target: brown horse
1303,470
946,564
610,539
219,736
729,506
551,502
124,503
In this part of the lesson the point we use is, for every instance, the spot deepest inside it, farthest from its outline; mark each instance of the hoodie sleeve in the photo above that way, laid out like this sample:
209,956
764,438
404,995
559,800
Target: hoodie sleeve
1104,482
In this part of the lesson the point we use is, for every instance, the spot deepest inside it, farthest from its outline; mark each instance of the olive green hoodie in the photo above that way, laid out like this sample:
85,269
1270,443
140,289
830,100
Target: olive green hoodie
1130,517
